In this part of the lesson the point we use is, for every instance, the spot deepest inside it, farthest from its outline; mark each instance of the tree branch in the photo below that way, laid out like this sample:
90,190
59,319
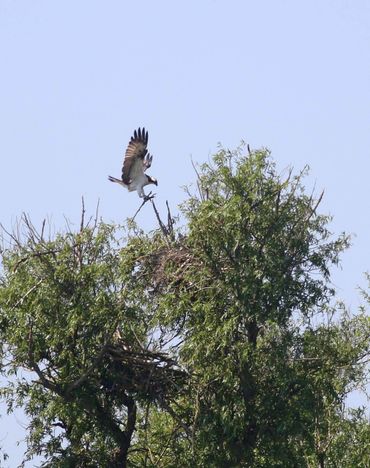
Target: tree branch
78,382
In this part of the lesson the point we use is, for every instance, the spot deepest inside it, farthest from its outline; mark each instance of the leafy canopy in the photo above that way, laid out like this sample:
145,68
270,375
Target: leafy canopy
213,345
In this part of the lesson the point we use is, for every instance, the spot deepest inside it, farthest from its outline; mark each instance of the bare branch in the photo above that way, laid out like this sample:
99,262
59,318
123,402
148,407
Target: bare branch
160,222
43,229
78,382
146,199
82,215
199,185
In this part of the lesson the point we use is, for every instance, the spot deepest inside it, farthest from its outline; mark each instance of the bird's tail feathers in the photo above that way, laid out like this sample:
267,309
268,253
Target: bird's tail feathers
113,179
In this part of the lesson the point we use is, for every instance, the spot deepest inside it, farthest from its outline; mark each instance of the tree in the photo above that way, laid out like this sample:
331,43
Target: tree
74,345
243,292
217,344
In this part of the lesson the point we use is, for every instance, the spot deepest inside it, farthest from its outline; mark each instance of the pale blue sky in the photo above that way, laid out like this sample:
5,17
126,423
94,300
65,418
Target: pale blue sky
78,76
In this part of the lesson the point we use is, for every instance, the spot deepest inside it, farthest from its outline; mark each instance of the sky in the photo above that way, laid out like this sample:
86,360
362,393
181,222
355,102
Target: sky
78,77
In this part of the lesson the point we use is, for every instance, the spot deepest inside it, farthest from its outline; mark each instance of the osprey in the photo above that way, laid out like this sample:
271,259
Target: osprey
137,160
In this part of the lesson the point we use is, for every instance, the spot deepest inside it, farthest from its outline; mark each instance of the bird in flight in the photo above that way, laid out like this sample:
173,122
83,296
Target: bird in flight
136,161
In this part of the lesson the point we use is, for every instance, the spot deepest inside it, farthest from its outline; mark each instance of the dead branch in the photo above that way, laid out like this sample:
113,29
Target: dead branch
12,236
82,215
203,196
146,199
164,229
170,221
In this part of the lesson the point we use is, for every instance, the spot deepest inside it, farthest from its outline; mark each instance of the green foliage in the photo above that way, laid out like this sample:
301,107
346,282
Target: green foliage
74,327
244,291
215,346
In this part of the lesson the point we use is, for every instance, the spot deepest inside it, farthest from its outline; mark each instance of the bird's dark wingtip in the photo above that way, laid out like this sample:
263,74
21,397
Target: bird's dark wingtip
141,135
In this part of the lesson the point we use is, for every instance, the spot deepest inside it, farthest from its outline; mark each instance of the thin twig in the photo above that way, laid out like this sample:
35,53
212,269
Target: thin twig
96,215
146,199
160,222
11,235
34,254
27,293
199,180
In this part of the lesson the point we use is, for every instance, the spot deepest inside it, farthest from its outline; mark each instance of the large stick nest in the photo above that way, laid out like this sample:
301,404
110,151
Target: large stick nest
144,373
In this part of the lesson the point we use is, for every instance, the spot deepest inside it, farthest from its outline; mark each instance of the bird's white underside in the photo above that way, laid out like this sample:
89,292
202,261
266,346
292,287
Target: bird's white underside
137,185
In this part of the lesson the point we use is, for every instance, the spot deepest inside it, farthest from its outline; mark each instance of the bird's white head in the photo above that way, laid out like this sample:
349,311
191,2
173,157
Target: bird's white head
152,180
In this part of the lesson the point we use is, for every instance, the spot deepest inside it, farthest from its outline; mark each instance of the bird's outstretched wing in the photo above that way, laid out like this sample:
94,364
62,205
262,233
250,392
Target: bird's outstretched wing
136,159
147,161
